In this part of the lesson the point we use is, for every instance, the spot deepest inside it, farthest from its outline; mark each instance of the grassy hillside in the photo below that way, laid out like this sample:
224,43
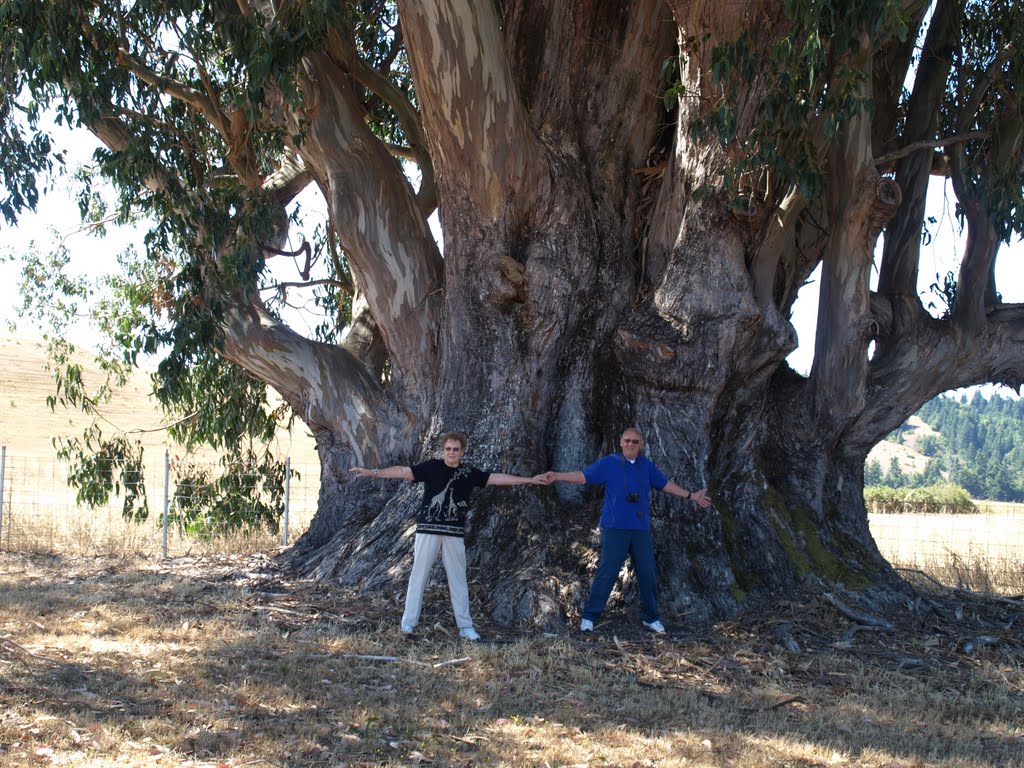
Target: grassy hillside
27,425
911,461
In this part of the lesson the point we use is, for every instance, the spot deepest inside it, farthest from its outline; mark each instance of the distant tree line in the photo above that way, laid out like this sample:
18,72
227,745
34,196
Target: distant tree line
979,446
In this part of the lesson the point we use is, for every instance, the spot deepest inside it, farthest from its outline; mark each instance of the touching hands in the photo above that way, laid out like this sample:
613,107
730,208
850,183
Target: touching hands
542,479
701,498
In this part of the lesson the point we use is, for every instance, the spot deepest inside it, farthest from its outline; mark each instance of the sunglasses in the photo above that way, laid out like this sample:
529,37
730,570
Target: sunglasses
631,441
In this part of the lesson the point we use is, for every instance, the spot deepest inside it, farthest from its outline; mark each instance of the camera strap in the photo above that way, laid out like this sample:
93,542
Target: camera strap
625,484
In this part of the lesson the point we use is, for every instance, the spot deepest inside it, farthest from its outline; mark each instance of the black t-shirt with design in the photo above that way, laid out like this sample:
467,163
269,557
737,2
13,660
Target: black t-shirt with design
446,496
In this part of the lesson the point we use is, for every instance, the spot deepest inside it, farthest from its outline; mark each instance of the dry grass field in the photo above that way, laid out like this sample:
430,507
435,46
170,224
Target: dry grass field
40,509
982,552
27,425
224,662
112,656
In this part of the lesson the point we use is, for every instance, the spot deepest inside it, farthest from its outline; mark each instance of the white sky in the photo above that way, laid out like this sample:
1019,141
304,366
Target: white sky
58,212
938,257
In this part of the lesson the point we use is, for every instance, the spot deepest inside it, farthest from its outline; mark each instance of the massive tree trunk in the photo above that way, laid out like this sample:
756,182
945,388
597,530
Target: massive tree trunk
629,209
588,288
597,275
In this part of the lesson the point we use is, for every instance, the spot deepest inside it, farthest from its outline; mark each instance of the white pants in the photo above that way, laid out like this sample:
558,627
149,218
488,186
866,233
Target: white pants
453,555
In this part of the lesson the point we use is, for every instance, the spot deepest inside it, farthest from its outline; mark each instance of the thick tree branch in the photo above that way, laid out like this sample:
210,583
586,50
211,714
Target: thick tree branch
342,285
779,239
937,356
390,249
476,125
890,68
839,371
290,178
326,385
344,50
1008,320
901,254
973,287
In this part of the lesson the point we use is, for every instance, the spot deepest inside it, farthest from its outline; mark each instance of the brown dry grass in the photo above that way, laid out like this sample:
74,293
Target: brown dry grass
981,552
227,661
39,508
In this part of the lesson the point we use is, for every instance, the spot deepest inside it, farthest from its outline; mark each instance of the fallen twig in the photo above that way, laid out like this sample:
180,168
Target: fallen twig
451,662
19,649
400,659
786,702
618,644
279,609
970,593
859,616
470,739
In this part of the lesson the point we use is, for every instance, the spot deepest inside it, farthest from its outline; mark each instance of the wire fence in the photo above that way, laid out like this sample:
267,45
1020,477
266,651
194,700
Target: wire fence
983,550
40,511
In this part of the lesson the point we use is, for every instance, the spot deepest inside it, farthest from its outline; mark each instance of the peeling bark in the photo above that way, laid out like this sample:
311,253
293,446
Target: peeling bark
596,275
565,321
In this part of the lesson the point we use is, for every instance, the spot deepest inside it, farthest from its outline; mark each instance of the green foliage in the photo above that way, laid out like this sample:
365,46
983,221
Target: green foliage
176,163
213,402
144,70
99,467
981,443
815,64
929,445
979,446
247,495
51,296
992,165
945,498
895,475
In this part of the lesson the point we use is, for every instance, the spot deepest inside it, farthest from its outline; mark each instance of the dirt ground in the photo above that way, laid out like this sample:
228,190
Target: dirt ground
230,661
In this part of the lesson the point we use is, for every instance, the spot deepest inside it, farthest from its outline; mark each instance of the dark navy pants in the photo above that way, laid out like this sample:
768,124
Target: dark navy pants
616,543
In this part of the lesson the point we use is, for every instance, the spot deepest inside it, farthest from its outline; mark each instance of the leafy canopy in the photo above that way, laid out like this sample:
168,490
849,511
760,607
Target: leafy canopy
187,98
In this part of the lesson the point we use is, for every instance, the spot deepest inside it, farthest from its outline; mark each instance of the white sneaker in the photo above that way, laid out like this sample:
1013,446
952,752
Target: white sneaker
407,630
469,633
655,626
586,626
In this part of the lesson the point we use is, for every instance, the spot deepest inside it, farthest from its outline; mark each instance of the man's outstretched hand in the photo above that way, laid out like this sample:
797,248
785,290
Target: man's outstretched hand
701,498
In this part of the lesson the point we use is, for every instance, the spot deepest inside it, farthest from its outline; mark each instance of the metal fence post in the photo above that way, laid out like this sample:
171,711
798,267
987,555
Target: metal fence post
167,491
287,494
3,466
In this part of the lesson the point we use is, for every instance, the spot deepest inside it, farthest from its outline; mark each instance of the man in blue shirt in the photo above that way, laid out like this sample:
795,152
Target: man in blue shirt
628,478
